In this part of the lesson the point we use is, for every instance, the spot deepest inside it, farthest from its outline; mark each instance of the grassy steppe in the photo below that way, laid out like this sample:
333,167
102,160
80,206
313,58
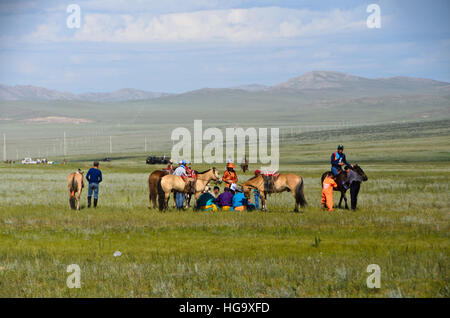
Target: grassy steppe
402,225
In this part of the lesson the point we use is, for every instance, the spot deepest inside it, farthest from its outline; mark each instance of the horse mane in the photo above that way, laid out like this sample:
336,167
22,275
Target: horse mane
204,171
254,177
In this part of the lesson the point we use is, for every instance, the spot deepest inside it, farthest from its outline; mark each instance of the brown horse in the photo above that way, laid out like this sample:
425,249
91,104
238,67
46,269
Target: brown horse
75,185
341,180
284,182
244,165
153,180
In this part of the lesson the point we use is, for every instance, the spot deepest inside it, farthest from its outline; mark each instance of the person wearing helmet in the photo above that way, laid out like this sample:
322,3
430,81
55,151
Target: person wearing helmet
179,196
338,160
230,176
256,191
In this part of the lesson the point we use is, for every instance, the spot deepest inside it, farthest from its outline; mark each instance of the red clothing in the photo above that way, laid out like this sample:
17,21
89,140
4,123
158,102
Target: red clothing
327,192
229,176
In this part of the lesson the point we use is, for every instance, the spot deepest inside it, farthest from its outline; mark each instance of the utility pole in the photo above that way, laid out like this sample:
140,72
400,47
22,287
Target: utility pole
64,145
4,147
145,144
110,144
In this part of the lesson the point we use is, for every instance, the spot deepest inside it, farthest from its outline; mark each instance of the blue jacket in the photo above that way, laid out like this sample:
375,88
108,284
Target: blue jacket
94,176
336,158
239,199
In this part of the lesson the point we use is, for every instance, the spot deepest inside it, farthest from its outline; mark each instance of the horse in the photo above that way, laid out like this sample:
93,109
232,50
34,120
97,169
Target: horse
244,165
153,180
75,185
284,182
341,179
203,178
170,183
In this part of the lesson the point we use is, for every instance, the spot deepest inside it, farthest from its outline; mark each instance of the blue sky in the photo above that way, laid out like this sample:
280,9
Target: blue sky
180,45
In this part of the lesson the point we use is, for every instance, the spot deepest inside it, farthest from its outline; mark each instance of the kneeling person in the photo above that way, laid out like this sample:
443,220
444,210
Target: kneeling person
206,201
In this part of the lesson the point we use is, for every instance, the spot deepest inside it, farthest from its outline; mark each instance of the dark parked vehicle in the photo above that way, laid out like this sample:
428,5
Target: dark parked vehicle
152,160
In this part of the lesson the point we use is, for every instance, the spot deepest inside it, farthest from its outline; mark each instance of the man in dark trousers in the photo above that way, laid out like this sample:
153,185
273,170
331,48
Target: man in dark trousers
94,177
354,180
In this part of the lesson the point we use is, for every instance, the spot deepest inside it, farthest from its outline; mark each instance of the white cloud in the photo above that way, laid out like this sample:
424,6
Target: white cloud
230,25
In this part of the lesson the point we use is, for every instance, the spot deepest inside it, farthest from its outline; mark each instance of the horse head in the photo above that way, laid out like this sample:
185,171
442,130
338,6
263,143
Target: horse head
246,189
360,171
216,175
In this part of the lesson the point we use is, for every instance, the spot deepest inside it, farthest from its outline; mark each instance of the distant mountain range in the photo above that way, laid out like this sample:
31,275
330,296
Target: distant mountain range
314,84
35,93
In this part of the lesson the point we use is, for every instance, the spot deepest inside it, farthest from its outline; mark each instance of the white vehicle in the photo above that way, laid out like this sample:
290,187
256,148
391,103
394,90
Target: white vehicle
28,161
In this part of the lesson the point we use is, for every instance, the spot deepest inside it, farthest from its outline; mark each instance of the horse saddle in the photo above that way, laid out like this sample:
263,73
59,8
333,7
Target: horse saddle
189,185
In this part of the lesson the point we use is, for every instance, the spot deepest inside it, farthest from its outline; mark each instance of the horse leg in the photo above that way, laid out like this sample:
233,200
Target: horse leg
295,200
78,201
263,200
166,200
345,200
340,200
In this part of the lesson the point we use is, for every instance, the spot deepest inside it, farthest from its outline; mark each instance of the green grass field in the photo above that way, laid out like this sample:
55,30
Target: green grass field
402,225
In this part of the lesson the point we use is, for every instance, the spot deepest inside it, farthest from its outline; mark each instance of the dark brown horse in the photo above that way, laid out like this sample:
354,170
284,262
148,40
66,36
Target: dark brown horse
341,180
244,165
153,180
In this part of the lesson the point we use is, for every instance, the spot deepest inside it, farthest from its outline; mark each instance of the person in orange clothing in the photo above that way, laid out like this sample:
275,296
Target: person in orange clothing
327,191
230,176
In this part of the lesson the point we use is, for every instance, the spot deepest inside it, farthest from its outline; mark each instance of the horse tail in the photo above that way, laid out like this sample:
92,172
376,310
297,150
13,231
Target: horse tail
299,195
73,188
152,191
161,196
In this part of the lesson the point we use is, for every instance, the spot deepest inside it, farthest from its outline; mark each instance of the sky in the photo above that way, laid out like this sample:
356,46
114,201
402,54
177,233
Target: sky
180,45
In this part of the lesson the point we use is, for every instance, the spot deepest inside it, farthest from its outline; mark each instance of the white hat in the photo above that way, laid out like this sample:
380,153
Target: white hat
233,187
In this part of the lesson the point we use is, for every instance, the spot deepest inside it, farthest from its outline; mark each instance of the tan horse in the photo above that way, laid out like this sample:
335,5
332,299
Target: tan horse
172,183
75,185
285,182
203,178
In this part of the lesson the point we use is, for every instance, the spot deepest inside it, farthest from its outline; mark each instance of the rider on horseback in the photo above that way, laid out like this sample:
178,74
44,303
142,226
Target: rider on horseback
338,160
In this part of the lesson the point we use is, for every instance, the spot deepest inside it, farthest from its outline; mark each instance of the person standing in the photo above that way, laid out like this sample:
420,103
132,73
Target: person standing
256,191
94,177
354,180
327,191
230,176
179,196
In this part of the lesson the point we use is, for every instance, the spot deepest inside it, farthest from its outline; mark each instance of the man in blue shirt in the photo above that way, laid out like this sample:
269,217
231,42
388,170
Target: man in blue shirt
94,177
338,160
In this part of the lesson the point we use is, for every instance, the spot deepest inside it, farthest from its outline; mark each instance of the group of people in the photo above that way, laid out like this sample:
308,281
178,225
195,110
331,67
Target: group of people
352,180
233,197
